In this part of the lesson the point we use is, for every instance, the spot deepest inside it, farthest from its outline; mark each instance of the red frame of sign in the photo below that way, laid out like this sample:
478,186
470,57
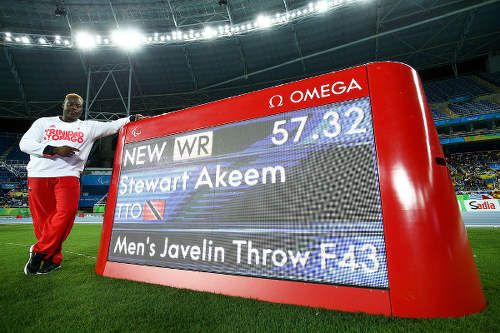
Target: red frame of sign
430,265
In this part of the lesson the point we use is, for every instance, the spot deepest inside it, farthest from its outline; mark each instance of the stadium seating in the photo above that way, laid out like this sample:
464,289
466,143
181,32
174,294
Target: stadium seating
493,78
462,88
474,108
438,114
470,172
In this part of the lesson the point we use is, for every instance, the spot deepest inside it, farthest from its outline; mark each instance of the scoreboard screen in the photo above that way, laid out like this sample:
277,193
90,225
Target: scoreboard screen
329,192
291,196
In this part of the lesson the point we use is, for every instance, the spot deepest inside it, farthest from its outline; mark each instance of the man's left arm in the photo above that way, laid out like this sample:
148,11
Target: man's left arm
102,129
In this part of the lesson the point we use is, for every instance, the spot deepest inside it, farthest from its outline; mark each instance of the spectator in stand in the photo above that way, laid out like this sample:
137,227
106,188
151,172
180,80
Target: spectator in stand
58,148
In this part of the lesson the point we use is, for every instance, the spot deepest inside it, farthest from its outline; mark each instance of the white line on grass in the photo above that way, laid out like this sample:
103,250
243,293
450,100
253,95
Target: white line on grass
75,253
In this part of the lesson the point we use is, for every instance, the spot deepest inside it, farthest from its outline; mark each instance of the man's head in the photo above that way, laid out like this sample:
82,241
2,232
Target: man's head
72,107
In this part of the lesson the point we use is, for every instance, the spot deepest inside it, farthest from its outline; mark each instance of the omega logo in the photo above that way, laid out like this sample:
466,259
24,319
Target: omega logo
278,98
323,91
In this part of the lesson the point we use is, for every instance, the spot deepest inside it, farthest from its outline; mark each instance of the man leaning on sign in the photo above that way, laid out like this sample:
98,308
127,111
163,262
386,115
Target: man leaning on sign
59,147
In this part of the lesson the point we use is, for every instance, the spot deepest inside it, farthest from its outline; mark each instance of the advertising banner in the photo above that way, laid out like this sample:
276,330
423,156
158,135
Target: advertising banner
489,205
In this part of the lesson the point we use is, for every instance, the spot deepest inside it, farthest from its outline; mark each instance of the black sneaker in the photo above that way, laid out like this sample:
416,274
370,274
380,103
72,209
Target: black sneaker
34,262
48,266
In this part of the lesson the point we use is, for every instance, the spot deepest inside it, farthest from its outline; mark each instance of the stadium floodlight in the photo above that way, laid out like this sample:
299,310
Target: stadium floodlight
18,39
84,40
8,39
42,41
128,40
263,21
197,35
7,34
66,42
322,6
25,40
106,41
162,38
98,39
168,37
208,32
249,25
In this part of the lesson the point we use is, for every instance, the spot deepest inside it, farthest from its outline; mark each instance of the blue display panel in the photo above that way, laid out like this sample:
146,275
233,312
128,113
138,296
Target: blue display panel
291,196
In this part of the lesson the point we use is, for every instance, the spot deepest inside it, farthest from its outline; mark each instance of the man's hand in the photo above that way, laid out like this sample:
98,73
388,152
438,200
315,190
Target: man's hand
65,151
139,117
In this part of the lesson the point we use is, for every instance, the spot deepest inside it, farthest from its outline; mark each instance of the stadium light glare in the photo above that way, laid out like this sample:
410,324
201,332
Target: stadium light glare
106,41
66,42
263,21
128,40
322,6
209,32
84,40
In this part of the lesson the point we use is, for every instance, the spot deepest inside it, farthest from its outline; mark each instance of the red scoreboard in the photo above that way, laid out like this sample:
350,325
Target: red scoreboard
329,192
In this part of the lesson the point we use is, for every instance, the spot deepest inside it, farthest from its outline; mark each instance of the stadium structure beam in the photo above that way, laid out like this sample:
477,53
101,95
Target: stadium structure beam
359,41
82,60
17,78
119,92
463,36
137,84
436,5
11,111
184,50
109,69
297,44
238,43
190,67
378,26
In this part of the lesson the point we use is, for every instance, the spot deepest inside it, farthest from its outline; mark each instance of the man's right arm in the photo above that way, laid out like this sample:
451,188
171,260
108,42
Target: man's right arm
32,141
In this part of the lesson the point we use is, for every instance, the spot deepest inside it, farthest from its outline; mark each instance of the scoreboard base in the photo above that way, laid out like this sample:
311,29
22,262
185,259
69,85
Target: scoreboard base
373,301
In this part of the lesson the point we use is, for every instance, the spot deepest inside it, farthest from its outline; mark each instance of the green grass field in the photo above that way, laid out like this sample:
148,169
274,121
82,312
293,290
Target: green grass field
74,298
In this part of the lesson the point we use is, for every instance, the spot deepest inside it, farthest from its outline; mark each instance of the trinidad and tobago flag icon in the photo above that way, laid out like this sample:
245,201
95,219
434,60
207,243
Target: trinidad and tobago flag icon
153,210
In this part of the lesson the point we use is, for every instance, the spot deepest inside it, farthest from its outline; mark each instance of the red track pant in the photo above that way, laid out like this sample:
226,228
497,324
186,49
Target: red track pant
53,204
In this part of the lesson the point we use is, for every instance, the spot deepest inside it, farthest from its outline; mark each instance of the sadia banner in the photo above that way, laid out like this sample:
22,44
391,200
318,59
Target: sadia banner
482,205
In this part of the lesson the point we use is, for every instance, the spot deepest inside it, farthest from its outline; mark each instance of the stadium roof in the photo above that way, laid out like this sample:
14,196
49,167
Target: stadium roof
252,44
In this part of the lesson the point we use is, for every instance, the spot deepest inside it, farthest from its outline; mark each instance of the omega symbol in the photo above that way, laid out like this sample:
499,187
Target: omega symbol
279,98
